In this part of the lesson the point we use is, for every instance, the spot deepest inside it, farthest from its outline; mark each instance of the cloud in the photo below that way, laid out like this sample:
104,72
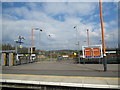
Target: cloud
74,8
20,21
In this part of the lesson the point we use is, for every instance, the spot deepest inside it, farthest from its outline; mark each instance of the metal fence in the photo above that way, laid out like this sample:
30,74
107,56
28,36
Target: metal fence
11,59
111,59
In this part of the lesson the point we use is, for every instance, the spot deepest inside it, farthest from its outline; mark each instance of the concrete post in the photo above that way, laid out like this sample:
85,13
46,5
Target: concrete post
11,60
3,59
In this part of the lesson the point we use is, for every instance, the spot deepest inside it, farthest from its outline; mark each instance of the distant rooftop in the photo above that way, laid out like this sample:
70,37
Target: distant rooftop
7,51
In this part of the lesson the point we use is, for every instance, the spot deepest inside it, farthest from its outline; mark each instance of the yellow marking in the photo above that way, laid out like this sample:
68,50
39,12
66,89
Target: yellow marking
80,77
12,58
5,59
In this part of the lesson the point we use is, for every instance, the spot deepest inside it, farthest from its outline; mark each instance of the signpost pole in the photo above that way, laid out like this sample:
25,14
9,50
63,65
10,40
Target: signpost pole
105,63
78,52
79,57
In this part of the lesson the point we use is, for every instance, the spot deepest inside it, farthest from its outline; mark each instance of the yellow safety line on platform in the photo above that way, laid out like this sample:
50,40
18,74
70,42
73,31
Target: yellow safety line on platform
82,77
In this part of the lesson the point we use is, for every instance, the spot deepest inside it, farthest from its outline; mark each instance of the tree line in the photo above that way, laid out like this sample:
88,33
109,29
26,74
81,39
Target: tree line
8,46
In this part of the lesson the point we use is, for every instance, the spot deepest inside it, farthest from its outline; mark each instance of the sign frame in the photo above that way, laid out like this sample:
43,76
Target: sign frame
92,48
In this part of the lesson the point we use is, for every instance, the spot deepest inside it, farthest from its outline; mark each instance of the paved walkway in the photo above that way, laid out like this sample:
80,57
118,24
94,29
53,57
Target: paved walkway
89,82
75,75
47,65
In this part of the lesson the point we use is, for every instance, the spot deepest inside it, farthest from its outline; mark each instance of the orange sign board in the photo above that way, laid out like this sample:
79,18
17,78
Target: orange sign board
88,52
96,52
92,52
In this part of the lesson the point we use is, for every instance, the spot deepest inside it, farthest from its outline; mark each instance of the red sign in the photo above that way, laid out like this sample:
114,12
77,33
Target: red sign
92,51
88,52
96,52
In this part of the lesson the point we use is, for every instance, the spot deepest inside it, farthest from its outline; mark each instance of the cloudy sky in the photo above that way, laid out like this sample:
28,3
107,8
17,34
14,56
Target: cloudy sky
58,20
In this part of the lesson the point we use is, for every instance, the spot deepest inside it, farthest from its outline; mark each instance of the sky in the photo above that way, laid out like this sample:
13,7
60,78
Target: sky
58,20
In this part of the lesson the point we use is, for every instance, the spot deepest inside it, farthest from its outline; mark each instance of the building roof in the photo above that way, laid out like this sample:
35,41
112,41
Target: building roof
7,51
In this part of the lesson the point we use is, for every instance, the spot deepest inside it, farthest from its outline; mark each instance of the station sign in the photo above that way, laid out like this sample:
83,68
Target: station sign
65,56
93,51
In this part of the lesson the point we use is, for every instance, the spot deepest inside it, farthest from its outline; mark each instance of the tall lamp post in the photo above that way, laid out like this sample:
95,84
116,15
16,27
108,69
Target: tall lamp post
88,38
16,46
77,42
40,37
103,41
32,43
50,52
20,38
102,27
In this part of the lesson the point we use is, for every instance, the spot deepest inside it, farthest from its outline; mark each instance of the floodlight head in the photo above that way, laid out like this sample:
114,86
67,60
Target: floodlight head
23,38
15,40
36,28
74,26
41,30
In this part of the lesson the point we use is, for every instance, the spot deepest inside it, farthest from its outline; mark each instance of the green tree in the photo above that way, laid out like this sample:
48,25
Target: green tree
7,47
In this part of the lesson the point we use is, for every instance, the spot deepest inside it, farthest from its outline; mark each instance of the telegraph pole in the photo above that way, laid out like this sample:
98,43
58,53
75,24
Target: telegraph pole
32,42
102,27
103,41
88,37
